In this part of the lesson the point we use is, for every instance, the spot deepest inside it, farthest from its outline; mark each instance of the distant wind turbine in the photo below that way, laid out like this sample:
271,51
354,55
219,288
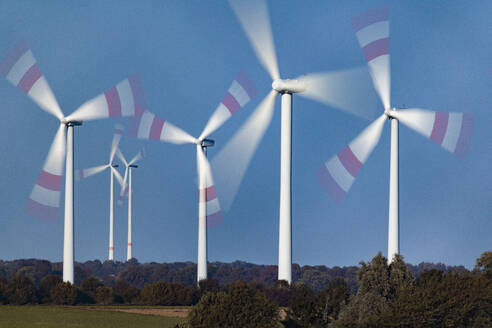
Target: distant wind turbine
127,189
85,173
450,130
149,126
125,99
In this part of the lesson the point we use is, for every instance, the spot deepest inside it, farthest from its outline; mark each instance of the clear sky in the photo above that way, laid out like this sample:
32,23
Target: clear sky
188,53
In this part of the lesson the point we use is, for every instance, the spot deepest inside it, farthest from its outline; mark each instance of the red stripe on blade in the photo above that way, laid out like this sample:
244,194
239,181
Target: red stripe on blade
41,211
210,193
247,85
464,140
50,181
28,80
440,127
156,128
371,16
214,219
114,104
329,185
13,56
138,94
231,103
375,49
349,161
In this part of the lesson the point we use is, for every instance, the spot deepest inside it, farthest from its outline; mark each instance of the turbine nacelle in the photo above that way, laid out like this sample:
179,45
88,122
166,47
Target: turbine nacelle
205,143
288,86
389,112
70,123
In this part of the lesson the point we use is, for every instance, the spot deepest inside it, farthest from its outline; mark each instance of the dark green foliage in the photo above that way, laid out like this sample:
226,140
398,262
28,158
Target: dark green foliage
4,290
64,293
45,286
302,306
484,262
124,292
208,286
163,293
241,306
104,295
21,290
279,293
379,283
89,288
330,300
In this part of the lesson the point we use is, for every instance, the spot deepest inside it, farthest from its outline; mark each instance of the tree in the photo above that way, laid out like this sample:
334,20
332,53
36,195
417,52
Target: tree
302,306
89,288
241,306
4,289
484,262
64,293
45,286
379,284
21,290
104,295
330,300
124,292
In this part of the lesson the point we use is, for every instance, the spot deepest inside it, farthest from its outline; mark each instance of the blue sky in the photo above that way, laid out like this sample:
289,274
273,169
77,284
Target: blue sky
188,53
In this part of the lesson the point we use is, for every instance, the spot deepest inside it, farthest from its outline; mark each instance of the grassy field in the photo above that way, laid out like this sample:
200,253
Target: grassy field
56,316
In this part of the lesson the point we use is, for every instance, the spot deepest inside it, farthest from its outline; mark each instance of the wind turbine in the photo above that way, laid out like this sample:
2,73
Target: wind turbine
149,126
450,130
330,88
85,173
125,99
128,189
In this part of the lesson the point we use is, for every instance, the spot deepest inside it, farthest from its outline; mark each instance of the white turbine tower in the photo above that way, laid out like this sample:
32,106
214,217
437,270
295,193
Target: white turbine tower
330,88
127,189
148,126
85,173
126,99
450,130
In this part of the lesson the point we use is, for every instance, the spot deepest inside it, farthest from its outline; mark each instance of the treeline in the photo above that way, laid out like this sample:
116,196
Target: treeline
184,273
387,296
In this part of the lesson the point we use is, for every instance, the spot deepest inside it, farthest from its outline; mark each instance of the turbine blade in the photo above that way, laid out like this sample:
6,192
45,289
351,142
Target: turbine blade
372,30
127,98
20,67
241,91
124,188
117,175
206,184
118,132
453,131
150,127
85,173
44,201
350,90
337,175
233,160
121,157
139,156
254,18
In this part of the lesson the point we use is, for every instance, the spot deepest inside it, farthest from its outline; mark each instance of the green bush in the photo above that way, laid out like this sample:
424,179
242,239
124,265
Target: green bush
241,306
64,293
21,290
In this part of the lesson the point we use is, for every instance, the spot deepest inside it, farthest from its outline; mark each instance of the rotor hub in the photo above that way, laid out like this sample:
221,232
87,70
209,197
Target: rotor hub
288,86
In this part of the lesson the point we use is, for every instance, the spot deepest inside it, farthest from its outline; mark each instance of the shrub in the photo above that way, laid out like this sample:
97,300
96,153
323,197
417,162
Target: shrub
64,293
21,290
45,286
242,306
104,295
